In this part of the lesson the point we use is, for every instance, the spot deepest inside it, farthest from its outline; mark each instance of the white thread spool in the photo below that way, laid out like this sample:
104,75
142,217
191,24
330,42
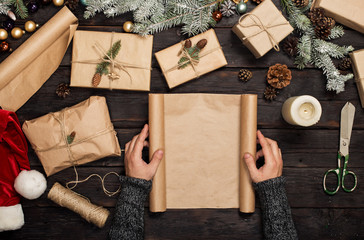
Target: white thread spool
302,110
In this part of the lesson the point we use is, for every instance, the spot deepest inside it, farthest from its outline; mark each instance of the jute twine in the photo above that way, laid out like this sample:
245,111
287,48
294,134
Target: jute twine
190,60
263,28
74,202
114,64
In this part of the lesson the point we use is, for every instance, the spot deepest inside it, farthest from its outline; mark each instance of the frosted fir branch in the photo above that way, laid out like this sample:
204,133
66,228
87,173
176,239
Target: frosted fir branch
5,6
148,9
96,6
336,32
332,49
304,47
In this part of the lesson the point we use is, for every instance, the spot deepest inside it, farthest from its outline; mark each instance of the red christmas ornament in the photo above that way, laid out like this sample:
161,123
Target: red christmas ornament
217,16
4,47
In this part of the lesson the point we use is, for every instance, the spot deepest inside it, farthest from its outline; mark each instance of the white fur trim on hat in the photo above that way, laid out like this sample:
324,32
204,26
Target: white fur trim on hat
30,184
11,218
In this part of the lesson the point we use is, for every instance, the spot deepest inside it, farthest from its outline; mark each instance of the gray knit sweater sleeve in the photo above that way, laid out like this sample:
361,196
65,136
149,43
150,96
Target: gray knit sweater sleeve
277,219
128,222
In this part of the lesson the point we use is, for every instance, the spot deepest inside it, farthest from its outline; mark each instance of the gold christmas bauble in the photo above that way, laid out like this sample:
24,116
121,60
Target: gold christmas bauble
58,3
128,26
3,34
17,32
30,26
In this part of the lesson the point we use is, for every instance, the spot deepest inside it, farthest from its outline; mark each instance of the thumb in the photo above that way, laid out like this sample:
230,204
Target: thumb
155,161
250,163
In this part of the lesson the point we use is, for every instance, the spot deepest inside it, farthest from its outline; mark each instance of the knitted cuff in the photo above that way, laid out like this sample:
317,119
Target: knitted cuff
135,189
270,187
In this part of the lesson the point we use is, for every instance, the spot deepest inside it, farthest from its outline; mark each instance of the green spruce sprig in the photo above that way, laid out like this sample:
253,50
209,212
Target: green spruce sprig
102,67
20,9
316,51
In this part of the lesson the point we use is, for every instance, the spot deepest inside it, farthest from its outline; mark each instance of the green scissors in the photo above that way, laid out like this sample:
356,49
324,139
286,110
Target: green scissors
346,125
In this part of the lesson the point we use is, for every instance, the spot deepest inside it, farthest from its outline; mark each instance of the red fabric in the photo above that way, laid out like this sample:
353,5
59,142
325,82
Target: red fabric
13,156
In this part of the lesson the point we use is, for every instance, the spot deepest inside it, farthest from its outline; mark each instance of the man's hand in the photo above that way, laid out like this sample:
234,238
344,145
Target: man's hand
134,164
273,160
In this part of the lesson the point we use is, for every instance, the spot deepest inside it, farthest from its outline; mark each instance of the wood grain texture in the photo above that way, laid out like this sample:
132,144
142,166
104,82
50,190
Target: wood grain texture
307,152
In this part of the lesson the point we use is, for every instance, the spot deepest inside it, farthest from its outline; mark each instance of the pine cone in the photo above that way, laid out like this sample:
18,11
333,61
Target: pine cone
258,1
345,64
228,8
300,3
63,90
290,46
325,23
71,4
245,75
316,14
279,76
96,79
322,33
270,93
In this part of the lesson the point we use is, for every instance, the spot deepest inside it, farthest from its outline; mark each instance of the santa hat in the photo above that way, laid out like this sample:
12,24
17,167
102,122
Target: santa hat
15,174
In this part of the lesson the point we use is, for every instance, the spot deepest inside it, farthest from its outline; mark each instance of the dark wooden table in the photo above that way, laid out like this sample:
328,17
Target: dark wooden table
307,152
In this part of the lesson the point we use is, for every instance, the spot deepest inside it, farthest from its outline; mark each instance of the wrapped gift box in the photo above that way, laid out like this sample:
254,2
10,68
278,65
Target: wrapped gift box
348,12
262,29
73,136
211,57
132,65
358,67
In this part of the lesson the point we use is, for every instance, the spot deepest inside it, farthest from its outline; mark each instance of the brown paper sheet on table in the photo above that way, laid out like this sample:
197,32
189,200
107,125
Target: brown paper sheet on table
348,12
211,58
95,136
262,29
135,54
204,138
33,62
358,68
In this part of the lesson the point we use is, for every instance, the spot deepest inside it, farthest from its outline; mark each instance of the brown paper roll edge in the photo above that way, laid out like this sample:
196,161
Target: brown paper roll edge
26,53
158,196
248,129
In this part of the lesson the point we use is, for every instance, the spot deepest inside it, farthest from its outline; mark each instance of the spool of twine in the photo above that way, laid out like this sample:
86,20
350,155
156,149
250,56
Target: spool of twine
81,205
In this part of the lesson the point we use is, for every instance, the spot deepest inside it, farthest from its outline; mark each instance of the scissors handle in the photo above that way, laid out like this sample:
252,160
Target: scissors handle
345,173
338,175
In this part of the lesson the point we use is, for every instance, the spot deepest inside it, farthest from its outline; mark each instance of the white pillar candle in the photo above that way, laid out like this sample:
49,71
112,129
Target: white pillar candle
302,110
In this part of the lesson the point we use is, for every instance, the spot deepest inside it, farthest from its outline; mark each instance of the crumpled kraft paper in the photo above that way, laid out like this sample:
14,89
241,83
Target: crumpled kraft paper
33,62
204,138
135,55
358,68
211,58
262,29
94,138
348,12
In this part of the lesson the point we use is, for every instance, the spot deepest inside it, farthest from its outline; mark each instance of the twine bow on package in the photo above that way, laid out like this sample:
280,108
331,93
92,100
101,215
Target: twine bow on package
73,136
262,29
111,60
32,63
204,137
190,59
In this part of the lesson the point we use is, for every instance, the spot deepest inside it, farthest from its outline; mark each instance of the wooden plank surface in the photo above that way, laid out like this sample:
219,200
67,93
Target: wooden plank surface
307,152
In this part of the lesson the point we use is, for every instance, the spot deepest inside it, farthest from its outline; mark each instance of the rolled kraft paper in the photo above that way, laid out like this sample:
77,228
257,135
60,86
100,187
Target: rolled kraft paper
248,137
302,110
74,202
32,63
158,196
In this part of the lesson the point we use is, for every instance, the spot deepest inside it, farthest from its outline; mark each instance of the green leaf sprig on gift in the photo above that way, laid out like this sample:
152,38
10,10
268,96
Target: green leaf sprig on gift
190,54
103,67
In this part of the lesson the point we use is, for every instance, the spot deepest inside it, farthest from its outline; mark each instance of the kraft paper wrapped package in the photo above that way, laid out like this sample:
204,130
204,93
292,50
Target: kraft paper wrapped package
211,57
73,136
357,58
262,29
348,12
34,61
204,138
131,67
